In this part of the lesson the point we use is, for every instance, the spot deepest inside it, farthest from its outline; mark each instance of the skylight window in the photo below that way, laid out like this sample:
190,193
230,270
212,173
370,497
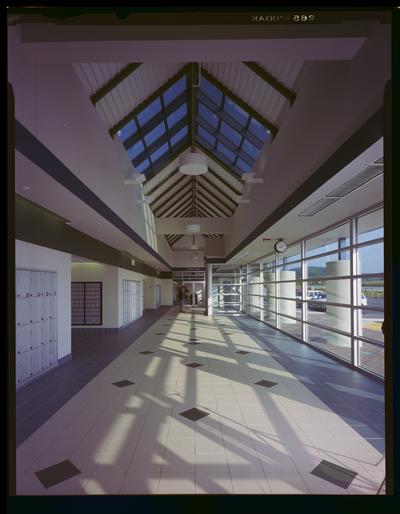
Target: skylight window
223,127
211,91
179,136
258,130
226,129
143,165
206,136
236,112
243,166
208,115
159,153
149,112
135,150
154,134
250,149
127,131
177,115
234,137
227,154
174,91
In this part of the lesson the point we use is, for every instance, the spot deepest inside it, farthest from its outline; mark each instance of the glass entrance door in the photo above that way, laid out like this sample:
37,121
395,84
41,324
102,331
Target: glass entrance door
194,294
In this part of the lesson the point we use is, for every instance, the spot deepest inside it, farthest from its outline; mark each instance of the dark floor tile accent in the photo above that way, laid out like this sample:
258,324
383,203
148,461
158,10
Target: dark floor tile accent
193,343
57,473
266,383
123,383
194,414
242,352
146,352
335,474
194,365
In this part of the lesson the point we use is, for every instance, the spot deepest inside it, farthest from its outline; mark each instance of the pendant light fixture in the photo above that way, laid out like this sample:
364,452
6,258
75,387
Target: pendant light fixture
194,246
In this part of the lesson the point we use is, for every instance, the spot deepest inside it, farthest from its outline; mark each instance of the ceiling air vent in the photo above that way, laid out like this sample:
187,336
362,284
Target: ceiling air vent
379,161
318,206
359,180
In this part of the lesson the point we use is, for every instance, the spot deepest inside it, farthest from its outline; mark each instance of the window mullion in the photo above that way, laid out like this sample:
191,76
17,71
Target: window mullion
304,290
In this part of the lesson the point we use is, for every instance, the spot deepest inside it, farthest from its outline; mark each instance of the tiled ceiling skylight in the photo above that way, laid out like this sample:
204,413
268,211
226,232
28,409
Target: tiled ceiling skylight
160,131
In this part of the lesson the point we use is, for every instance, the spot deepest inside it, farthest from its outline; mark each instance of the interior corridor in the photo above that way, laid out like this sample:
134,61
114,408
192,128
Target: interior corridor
222,405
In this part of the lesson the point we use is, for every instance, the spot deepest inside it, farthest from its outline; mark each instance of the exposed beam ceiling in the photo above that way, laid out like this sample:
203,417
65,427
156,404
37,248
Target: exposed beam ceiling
110,85
173,196
229,208
220,191
271,80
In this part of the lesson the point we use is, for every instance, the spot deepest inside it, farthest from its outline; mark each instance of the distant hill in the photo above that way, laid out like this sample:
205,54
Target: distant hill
316,271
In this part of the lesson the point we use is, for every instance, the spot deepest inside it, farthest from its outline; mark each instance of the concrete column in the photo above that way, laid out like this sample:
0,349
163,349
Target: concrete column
288,290
358,291
269,302
255,290
209,288
261,293
338,291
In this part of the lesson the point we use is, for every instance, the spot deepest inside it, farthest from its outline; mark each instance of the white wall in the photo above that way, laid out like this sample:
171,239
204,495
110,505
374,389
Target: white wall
166,291
108,275
149,296
30,256
149,291
112,278
184,259
124,274
215,247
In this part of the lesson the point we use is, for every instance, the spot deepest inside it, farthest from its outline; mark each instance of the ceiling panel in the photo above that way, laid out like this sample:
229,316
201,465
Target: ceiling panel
95,74
286,72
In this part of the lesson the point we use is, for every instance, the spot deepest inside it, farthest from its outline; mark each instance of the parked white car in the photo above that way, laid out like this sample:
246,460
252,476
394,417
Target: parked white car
317,299
314,294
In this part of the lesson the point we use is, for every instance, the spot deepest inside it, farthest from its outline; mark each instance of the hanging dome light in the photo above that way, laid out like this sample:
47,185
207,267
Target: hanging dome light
193,163
193,227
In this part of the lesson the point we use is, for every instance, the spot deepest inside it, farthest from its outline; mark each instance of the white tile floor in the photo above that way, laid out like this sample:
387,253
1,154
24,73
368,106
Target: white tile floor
255,440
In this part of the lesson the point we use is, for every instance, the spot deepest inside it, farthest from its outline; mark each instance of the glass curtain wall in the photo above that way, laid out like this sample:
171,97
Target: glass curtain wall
327,290
226,289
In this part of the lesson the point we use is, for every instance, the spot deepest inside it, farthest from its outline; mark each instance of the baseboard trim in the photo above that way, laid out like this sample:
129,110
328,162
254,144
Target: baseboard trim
103,330
64,359
95,329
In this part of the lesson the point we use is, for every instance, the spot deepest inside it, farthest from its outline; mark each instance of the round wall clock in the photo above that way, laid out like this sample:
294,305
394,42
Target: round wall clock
280,246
